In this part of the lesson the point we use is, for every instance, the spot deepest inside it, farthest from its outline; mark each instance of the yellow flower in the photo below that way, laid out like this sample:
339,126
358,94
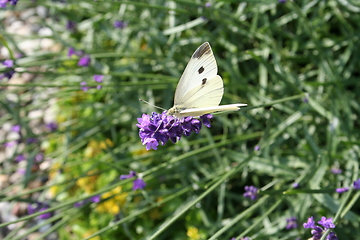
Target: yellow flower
193,233
115,201
95,147
89,233
87,183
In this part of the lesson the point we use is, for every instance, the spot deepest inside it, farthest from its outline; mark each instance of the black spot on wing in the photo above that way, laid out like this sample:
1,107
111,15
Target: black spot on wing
203,49
204,81
201,70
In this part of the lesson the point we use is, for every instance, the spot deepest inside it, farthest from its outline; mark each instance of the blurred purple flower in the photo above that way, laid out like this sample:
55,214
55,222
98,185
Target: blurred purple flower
251,192
72,51
8,63
356,184
32,140
20,157
39,207
98,78
94,199
16,128
342,190
11,143
138,184
120,24
13,2
84,87
3,3
291,223
208,4
295,185
336,170
84,61
52,126
99,87
70,25
130,175
39,157
257,148
160,127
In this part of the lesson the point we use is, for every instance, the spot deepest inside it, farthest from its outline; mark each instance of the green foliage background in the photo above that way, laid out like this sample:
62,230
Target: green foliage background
295,64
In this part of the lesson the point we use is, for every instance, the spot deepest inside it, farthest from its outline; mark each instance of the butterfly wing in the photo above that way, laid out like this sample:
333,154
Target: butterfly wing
200,89
204,110
199,86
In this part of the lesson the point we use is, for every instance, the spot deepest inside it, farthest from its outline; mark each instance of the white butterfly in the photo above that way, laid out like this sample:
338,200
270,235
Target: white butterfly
200,89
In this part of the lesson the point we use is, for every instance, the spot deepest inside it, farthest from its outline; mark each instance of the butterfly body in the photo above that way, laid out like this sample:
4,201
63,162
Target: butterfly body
200,89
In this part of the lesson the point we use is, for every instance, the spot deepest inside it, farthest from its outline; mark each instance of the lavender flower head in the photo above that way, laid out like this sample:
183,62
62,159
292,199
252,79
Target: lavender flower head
251,192
356,184
160,128
318,231
84,61
138,182
39,207
291,223
120,24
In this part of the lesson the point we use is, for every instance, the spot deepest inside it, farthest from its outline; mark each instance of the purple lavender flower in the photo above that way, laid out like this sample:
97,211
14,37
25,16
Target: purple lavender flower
70,25
342,190
84,87
20,157
71,52
295,185
32,140
138,184
11,143
84,61
160,128
310,223
39,207
318,231
326,222
39,157
16,128
130,175
356,184
257,148
3,3
94,199
291,223
336,170
52,126
120,24
251,192
98,78
8,63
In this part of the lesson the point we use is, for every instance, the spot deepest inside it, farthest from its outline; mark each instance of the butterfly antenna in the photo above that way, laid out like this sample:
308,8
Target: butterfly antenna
152,104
